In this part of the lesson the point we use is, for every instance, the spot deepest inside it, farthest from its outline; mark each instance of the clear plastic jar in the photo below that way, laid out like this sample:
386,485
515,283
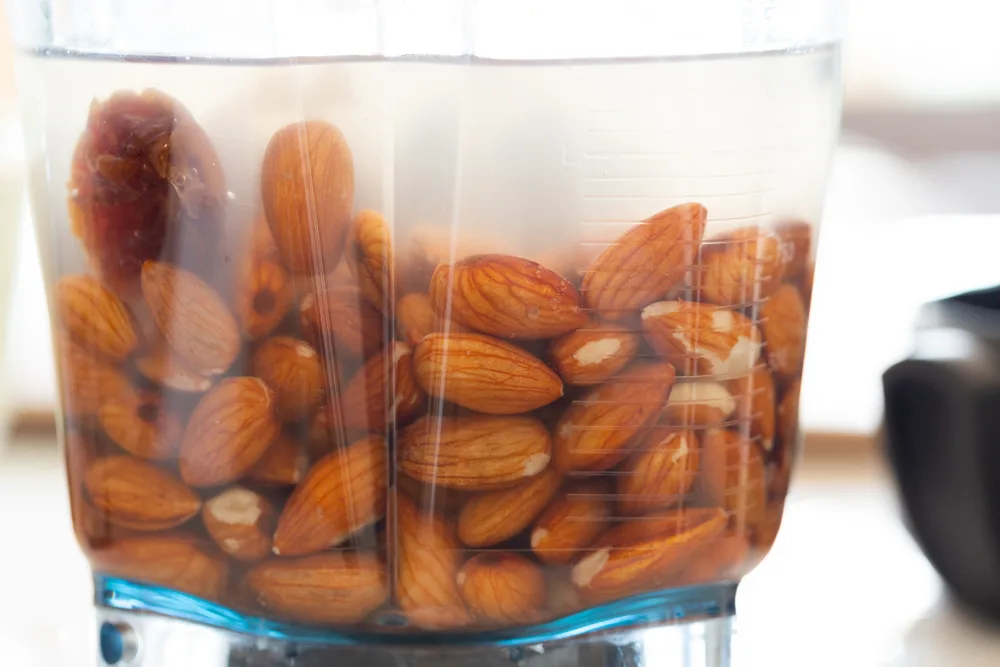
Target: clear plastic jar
398,319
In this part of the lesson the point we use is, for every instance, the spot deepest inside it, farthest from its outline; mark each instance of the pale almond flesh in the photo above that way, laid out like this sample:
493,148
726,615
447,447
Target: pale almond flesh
241,522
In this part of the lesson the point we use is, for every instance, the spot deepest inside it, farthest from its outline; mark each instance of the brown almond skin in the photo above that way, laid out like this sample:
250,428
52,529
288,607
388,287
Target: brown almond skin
95,317
86,381
732,476
139,424
643,553
138,495
162,367
369,258
342,493
330,588
192,317
415,318
789,440
571,523
484,374
595,431
783,323
340,321
173,561
726,560
241,522
264,296
492,517
429,560
473,453
659,472
593,353
383,392
740,267
307,189
284,463
228,432
642,265
506,296
503,588
755,404
292,369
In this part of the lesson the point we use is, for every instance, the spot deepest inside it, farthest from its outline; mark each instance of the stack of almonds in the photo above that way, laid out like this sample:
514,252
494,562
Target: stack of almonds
333,432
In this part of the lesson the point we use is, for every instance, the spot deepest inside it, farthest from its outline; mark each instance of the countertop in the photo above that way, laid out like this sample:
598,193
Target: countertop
843,585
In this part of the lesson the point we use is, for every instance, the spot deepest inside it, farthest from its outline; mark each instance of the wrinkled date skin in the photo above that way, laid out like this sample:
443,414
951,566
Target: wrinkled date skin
145,183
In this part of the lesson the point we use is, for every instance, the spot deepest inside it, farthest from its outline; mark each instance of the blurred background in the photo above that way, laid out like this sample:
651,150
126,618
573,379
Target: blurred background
912,214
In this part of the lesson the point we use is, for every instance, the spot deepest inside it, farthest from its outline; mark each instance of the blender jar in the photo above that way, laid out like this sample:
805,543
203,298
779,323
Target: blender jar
440,323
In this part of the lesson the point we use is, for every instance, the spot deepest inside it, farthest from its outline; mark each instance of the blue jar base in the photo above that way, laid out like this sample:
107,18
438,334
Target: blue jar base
146,626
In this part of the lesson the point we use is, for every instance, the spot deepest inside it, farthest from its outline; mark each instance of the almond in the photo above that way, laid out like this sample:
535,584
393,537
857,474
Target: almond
429,246
161,366
284,463
645,262
139,424
291,368
339,321
732,476
383,393
492,517
429,560
369,258
474,453
796,239
431,497
228,432
415,318
241,522
702,339
136,495
789,440
192,317
342,493
95,317
173,561
571,523
503,588
264,295
741,267
783,323
806,285
86,381
698,404
326,430
593,353
484,374
641,553
506,296
595,431
765,533
659,473
333,588
755,400
307,188
725,560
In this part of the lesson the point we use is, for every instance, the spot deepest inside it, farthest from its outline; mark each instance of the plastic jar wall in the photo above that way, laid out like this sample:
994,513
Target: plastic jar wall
403,318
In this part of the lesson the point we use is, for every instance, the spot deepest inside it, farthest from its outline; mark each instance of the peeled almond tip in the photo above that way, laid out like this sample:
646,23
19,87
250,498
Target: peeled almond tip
537,536
587,569
535,464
